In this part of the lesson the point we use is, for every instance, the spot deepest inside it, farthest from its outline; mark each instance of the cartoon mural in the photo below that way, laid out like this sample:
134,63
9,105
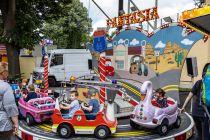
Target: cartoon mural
158,56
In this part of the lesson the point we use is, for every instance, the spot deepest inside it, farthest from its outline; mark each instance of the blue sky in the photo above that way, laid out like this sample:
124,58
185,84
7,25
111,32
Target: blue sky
165,8
158,40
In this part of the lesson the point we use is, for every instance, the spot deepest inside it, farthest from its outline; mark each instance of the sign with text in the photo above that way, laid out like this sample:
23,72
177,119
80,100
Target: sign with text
134,17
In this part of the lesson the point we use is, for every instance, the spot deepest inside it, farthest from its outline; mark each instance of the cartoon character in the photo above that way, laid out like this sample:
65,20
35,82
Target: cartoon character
138,66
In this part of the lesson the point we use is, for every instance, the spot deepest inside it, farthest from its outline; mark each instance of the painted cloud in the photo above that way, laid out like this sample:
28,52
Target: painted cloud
121,41
187,42
134,42
160,44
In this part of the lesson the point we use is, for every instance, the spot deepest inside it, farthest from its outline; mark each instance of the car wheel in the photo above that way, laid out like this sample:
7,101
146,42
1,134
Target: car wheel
29,120
163,129
178,122
64,131
101,132
133,124
52,81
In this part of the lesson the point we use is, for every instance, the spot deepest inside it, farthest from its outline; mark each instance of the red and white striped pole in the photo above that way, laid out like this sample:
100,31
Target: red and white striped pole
102,70
46,74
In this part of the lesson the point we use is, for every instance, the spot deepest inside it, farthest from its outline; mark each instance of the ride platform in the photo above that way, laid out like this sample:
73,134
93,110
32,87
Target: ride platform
124,131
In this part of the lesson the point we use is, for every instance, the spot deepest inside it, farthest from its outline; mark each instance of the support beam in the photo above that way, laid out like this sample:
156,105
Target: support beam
147,21
129,6
101,9
155,22
120,8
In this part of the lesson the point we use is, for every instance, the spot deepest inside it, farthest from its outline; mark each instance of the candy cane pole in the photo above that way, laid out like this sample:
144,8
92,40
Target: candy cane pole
102,70
46,74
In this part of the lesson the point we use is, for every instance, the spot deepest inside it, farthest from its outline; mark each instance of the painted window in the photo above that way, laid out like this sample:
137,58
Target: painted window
120,65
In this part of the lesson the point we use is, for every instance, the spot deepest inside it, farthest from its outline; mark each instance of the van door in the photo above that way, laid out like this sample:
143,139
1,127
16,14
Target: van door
57,67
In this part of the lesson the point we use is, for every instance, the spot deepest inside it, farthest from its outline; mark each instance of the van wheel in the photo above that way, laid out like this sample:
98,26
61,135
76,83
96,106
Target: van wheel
101,132
52,82
65,131
29,120
178,122
163,128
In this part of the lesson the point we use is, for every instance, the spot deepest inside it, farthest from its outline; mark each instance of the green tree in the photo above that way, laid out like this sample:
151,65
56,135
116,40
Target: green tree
70,30
21,20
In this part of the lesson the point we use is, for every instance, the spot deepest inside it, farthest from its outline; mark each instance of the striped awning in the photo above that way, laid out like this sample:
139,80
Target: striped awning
3,50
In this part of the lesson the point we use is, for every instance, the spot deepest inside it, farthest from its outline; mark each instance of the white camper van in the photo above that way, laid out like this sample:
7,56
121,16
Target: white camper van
64,63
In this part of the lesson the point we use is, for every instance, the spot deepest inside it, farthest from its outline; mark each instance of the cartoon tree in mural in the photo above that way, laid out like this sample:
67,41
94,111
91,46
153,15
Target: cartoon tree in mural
179,58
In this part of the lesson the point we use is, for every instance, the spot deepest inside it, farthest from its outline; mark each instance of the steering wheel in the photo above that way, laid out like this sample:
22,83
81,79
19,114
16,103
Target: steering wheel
63,101
85,105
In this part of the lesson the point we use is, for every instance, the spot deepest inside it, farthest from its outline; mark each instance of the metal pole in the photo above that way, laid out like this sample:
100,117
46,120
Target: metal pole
177,17
155,22
156,63
129,6
101,9
139,9
120,8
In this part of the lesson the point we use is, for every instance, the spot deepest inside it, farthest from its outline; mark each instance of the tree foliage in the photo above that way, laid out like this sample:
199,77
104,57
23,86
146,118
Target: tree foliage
70,30
30,16
21,23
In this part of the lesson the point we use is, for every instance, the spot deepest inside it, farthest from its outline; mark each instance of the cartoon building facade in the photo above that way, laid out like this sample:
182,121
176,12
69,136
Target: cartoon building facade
161,54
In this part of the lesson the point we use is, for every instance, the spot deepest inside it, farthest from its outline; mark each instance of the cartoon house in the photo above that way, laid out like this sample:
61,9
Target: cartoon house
121,56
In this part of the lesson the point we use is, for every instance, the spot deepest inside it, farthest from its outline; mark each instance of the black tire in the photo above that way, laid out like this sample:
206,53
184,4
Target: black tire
163,128
65,131
178,122
29,119
52,82
133,124
102,132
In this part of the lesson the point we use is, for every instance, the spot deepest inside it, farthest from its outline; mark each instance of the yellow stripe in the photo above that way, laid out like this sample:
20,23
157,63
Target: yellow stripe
134,132
131,133
46,125
84,127
45,128
137,134
114,128
131,89
123,84
169,86
172,89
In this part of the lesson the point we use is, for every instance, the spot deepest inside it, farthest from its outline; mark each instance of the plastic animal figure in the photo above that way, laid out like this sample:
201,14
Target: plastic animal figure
148,115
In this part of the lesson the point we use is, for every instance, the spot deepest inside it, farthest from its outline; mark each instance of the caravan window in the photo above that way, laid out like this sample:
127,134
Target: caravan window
57,59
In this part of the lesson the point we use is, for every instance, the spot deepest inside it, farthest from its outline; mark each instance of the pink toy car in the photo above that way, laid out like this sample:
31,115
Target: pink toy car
148,115
36,110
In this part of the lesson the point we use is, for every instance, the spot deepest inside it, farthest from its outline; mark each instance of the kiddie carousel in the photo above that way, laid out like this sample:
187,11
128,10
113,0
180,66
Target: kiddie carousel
146,118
